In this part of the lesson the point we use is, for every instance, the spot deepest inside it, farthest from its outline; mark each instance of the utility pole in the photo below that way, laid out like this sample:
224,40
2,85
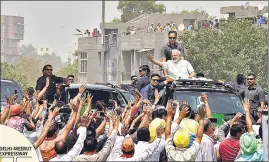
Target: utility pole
119,65
103,43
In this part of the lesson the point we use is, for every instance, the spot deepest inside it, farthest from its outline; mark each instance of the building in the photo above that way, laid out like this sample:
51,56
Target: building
124,53
12,32
44,49
241,12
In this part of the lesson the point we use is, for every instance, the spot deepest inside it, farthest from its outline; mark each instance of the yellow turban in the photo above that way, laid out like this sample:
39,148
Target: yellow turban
157,122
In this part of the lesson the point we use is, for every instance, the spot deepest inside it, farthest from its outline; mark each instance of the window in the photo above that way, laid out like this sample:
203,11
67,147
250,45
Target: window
9,89
41,49
83,62
219,102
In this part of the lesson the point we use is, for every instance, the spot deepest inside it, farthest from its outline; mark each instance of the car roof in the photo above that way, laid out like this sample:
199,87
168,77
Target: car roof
199,85
90,86
7,81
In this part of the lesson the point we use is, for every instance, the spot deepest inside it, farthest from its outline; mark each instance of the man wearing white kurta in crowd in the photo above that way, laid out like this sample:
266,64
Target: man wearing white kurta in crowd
176,68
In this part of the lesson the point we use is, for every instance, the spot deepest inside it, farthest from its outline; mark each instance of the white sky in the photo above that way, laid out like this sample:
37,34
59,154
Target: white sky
54,23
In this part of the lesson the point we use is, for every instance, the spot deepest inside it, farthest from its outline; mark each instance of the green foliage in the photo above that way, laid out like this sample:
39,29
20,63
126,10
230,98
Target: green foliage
28,49
116,20
197,11
8,71
30,67
132,9
69,69
238,47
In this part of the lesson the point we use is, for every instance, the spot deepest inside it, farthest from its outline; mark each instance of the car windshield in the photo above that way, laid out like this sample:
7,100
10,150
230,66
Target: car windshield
99,95
128,96
224,103
9,89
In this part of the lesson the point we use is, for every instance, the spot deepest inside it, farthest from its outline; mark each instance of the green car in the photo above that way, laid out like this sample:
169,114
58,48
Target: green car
224,104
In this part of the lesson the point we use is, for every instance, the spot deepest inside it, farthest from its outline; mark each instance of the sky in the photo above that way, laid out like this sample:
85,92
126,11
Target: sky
53,23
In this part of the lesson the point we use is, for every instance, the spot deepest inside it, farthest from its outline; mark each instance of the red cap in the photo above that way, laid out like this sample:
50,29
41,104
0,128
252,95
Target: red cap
16,109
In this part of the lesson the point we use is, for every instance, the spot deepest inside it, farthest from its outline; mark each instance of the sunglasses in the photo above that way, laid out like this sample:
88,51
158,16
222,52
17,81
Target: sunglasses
250,78
172,37
49,69
134,79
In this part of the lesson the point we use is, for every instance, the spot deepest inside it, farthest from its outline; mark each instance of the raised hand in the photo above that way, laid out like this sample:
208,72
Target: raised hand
246,105
26,95
8,100
185,102
157,95
236,118
47,82
73,106
56,111
89,98
82,88
184,111
204,97
85,120
201,111
170,110
149,57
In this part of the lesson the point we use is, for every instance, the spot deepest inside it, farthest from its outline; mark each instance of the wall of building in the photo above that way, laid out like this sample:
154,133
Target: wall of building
12,31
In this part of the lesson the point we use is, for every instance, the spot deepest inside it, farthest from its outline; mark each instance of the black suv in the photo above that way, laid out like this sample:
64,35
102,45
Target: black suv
9,87
224,104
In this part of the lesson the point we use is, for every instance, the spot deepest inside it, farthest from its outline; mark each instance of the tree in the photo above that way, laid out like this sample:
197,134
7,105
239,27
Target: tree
238,47
28,49
30,67
197,11
132,9
9,71
116,20
69,69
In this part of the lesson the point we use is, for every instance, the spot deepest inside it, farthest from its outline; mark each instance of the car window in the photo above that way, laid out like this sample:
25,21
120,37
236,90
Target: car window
100,95
9,89
120,100
128,96
97,95
225,103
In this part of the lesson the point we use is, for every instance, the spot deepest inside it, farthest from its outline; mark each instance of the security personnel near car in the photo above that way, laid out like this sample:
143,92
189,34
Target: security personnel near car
256,96
52,89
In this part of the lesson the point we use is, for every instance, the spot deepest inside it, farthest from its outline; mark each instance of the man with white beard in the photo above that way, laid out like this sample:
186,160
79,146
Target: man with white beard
176,68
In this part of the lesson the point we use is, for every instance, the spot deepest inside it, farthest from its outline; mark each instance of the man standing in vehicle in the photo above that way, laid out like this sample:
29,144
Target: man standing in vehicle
166,51
52,89
144,78
176,68
256,96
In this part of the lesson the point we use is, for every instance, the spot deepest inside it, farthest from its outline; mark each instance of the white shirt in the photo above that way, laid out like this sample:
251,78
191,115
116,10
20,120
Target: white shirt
116,152
207,151
76,148
30,135
155,156
140,147
181,69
